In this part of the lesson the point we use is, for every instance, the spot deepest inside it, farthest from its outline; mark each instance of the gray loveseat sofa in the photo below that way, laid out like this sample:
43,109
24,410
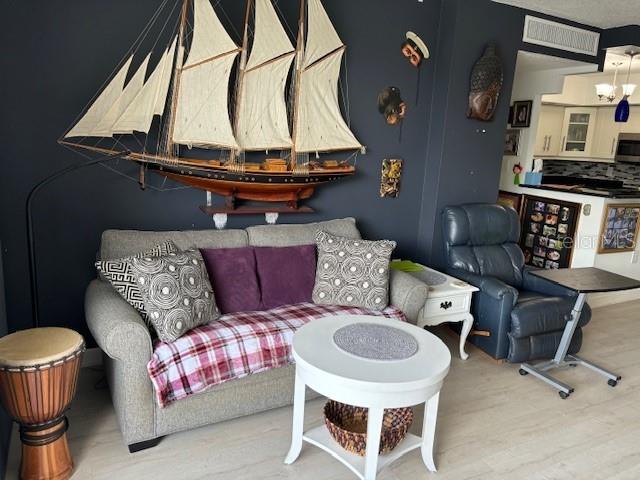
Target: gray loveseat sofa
125,340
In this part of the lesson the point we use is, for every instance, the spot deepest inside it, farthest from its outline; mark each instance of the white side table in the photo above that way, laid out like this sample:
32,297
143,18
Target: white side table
449,300
373,384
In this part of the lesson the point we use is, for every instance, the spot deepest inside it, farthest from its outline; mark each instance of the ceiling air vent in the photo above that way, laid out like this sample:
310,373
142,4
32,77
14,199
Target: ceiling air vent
560,36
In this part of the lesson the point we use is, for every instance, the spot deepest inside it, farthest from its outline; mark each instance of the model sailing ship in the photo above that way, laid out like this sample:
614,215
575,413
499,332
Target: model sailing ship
295,114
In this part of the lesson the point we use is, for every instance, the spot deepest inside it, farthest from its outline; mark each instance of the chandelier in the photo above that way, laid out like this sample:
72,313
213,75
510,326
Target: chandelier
608,91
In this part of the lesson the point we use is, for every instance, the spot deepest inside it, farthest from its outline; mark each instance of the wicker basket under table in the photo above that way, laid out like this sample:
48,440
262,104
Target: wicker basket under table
348,426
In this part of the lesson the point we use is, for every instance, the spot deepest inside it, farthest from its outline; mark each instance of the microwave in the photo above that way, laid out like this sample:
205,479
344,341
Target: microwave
628,148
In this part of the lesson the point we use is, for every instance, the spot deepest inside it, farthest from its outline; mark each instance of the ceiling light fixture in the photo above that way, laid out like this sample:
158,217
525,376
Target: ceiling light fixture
622,110
606,90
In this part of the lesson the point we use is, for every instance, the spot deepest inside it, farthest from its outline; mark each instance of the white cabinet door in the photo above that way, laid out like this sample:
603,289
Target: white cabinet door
605,137
633,124
578,132
549,131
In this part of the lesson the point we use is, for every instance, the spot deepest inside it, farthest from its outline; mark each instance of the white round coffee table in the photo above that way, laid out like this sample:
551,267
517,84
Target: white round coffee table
375,384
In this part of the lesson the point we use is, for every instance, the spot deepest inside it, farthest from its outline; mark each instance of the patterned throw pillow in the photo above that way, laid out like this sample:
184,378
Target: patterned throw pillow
176,291
352,272
118,273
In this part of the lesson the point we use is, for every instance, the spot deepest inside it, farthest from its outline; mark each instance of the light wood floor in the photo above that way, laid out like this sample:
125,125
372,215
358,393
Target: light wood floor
493,424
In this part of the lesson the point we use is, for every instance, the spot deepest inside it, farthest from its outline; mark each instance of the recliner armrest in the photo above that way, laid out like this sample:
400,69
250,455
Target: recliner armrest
492,286
543,286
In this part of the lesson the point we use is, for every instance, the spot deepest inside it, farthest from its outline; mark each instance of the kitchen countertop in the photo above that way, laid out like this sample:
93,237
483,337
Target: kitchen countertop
594,192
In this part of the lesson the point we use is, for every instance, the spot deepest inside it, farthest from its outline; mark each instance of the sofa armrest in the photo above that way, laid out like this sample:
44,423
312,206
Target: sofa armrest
116,326
491,286
407,293
544,286
123,336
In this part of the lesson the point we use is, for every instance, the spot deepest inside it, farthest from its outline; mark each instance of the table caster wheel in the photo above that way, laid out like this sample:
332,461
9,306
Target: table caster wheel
612,383
523,372
563,395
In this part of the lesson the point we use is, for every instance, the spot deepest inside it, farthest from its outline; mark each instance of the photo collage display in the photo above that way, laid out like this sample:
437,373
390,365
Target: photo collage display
548,227
620,229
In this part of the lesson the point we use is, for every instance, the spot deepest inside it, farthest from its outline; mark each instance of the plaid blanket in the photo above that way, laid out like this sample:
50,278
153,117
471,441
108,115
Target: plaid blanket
235,346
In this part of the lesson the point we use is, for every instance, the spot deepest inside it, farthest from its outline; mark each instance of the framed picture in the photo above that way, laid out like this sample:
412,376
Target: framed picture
521,117
511,142
619,232
548,231
508,199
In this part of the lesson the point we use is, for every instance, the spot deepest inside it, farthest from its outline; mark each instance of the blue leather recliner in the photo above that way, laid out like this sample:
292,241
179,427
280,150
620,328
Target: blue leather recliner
524,314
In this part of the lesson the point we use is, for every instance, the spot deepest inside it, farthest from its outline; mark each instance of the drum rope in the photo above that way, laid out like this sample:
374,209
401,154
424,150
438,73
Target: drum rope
26,432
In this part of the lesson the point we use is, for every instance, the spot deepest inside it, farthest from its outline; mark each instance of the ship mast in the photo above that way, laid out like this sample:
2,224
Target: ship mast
296,83
176,80
241,75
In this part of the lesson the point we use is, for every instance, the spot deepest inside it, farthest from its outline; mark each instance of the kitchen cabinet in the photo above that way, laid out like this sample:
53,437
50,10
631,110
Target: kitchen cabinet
578,131
605,138
633,125
549,131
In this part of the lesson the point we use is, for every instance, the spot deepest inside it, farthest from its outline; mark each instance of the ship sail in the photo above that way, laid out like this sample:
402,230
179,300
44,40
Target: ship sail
202,111
262,121
150,100
189,88
319,125
104,128
96,112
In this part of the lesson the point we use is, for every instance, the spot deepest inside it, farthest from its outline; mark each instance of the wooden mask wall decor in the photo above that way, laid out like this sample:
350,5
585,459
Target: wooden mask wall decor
390,181
415,50
486,84
391,105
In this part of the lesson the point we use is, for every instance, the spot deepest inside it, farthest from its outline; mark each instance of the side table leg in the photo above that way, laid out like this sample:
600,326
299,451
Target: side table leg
429,431
374,429
464,333
298,421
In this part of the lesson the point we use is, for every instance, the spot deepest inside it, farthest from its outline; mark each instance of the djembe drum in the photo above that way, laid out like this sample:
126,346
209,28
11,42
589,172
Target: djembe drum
38,377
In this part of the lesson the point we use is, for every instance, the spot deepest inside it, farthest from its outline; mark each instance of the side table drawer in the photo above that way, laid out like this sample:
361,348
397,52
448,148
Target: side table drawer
446,305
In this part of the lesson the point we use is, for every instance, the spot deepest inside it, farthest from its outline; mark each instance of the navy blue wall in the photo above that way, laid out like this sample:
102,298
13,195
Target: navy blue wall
464,156
627,35
63,50
5,421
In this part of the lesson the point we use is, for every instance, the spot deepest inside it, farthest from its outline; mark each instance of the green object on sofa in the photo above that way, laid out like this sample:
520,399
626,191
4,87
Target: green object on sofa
121,333
406,266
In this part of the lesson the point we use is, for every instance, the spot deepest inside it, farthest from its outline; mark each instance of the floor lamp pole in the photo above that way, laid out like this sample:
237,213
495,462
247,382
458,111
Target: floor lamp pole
35,311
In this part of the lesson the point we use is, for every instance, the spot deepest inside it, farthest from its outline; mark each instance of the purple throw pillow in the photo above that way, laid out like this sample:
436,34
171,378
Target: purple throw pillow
287,274
233,275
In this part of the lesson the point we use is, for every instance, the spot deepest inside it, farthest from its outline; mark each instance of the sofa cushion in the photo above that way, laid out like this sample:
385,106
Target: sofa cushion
235,346
119,274
123,243
233,275
352,272
176,291
303,234
535,314
287,274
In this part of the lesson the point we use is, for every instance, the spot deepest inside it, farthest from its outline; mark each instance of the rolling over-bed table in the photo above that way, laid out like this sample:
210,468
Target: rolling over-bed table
582,281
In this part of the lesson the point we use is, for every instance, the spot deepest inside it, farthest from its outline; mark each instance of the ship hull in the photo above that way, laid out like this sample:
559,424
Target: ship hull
254,184
263,186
